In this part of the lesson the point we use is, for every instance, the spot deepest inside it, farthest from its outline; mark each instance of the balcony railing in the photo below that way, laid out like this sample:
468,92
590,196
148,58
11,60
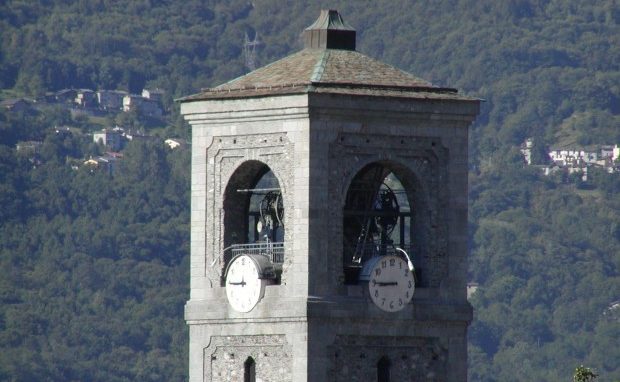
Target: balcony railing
273,250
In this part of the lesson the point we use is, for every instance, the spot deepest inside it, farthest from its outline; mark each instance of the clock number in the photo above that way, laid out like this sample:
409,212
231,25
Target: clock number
392,304
376,292
383,264
383,301
406,272
400,265
409,284
407,295
392,262
378,271
400,301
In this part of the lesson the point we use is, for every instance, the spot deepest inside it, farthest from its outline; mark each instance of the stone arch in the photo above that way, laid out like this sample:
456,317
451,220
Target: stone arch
411,225
241,205
237,202
404,170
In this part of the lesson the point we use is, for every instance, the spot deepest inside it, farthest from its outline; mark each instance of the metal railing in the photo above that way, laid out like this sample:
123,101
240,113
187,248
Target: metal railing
273,250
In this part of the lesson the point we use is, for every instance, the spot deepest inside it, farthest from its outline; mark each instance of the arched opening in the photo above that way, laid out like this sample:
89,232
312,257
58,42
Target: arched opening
249,370
383,370
378,217
254,215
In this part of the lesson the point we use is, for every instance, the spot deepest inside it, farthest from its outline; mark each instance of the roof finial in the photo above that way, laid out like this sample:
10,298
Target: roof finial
330,31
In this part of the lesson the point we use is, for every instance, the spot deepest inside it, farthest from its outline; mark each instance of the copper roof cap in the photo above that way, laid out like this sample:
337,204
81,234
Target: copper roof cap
329,31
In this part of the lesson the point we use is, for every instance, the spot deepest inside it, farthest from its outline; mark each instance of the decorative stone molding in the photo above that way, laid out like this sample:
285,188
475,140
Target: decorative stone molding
420,163
227,154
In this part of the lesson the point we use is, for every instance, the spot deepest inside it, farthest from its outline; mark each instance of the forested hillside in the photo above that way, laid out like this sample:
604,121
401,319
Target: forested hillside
95,266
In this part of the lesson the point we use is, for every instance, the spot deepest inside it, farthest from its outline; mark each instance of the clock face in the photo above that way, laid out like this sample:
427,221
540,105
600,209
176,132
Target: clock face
391,283
244,288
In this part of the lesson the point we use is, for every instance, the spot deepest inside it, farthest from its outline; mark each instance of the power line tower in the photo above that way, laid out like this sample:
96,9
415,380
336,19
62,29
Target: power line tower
249,51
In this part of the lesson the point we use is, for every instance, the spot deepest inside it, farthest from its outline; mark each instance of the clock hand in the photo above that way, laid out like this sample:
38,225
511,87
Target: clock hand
387,283
242,283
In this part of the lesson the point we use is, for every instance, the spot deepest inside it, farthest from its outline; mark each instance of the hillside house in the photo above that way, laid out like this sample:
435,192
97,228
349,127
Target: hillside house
174,143
472,287
141,105
111,139
611,152
86,98
111,100
66,96
107,162
153,94
526,150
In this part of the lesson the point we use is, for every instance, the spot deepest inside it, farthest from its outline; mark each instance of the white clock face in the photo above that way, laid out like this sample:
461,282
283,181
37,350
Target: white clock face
391,283
244,288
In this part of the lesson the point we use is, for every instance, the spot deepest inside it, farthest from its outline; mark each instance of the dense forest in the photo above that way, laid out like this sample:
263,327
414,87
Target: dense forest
95,266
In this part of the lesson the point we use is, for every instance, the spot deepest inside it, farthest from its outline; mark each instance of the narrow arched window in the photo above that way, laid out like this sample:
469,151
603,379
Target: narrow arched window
383,370
249,370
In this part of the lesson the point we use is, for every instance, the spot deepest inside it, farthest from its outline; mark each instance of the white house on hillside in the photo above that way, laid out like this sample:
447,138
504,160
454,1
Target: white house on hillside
144,106
111,139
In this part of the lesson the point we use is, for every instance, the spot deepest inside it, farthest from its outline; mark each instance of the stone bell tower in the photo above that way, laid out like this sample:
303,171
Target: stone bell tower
329,221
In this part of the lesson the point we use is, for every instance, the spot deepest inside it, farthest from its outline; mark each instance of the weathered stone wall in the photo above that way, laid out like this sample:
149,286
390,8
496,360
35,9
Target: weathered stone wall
355,358
227,355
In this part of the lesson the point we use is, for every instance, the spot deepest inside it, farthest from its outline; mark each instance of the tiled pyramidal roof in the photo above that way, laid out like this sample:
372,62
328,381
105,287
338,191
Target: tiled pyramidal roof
328,64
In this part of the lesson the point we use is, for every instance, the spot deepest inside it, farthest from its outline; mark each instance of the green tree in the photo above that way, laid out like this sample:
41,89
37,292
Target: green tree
584,374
